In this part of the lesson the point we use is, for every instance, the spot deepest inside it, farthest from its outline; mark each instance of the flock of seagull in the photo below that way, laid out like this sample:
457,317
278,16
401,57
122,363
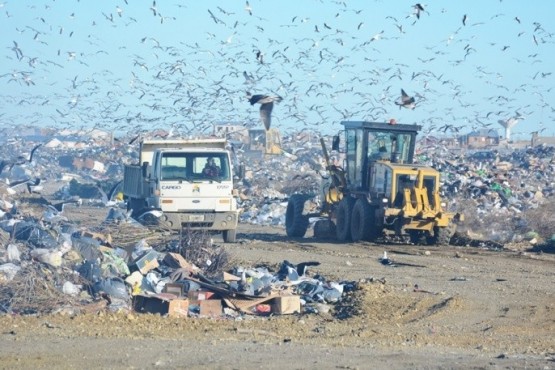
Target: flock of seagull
321,71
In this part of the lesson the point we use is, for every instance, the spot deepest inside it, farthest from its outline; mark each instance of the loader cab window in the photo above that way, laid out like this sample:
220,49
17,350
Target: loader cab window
350,147
394,147
355,157
400,144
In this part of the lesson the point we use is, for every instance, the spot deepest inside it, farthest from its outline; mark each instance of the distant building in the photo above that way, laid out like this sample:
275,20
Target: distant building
542,140
481,138
231,131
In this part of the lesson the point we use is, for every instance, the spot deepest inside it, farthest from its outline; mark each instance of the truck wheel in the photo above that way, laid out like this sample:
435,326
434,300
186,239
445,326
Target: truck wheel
137,206
296,223
344,213
442,235
230,236
363,221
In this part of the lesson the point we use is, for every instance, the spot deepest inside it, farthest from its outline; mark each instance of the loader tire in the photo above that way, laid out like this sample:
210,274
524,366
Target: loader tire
296,223
442,235
324,229
418,237
363,221
229,236
344,215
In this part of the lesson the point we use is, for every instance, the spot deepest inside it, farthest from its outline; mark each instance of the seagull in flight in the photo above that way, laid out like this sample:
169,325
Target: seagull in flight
266,105
19,161
417,9
406,101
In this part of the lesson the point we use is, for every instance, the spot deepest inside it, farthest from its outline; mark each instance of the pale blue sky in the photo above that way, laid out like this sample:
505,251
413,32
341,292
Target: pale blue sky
81,64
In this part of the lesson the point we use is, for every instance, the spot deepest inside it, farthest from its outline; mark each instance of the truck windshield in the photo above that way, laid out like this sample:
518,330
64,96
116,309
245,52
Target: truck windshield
195,166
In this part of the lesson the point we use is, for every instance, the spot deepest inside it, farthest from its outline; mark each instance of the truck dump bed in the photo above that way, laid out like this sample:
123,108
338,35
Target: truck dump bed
148,147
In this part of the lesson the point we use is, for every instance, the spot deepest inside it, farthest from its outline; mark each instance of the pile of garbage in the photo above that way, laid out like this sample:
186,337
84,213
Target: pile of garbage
59,268
490,186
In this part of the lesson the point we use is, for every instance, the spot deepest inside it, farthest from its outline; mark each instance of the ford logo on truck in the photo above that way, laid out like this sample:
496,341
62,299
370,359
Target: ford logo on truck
171,187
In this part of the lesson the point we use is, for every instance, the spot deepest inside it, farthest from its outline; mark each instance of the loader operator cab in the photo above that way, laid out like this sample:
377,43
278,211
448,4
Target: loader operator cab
367,143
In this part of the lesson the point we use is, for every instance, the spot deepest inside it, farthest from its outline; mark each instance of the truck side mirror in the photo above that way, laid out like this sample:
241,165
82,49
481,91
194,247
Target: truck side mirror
144,168
335,143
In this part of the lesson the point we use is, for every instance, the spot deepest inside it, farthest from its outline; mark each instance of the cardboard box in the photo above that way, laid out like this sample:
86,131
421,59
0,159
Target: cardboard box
286,305
147,262
195,296
225,276
163,304
211,308
173,288
176,261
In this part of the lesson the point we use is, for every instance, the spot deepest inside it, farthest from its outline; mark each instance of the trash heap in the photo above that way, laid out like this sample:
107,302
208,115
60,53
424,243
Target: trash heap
507,198
59,268
498,192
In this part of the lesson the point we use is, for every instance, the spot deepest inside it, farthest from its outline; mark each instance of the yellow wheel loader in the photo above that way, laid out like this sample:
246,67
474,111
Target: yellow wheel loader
377,191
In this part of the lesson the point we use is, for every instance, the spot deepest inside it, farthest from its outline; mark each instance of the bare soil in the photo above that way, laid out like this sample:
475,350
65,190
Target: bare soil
436,308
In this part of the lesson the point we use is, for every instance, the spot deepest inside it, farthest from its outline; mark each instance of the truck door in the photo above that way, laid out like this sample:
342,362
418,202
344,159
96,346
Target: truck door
154,181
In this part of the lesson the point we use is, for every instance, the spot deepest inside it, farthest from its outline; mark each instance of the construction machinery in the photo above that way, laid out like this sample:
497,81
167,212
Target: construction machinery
265,141
377,191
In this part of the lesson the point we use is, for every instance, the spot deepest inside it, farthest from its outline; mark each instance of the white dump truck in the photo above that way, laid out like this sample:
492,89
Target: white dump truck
189,181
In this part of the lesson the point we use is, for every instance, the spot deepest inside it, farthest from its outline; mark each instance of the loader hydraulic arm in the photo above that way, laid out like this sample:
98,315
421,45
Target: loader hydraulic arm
337,173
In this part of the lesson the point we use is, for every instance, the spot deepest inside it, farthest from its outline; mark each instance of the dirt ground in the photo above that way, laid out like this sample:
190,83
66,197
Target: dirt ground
436,308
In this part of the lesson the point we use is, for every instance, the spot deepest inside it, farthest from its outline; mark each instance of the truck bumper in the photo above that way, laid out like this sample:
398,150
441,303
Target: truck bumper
202,221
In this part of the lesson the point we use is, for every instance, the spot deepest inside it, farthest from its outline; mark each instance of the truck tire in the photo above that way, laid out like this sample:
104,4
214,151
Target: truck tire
137,206
230,236
343,223
363,221
442,235
296,223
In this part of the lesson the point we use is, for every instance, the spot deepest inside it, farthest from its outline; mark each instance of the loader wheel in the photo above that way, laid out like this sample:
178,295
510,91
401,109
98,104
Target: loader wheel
418,237
296,223
344,214
363,221
442,235
324,229
230,236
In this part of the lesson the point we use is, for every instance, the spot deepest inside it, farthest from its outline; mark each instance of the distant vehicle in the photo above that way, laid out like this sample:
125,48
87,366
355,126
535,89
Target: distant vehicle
265,141
483,156
189,181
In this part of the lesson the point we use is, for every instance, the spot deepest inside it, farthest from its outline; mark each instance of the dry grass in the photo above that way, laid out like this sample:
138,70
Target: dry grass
196,246
37,289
